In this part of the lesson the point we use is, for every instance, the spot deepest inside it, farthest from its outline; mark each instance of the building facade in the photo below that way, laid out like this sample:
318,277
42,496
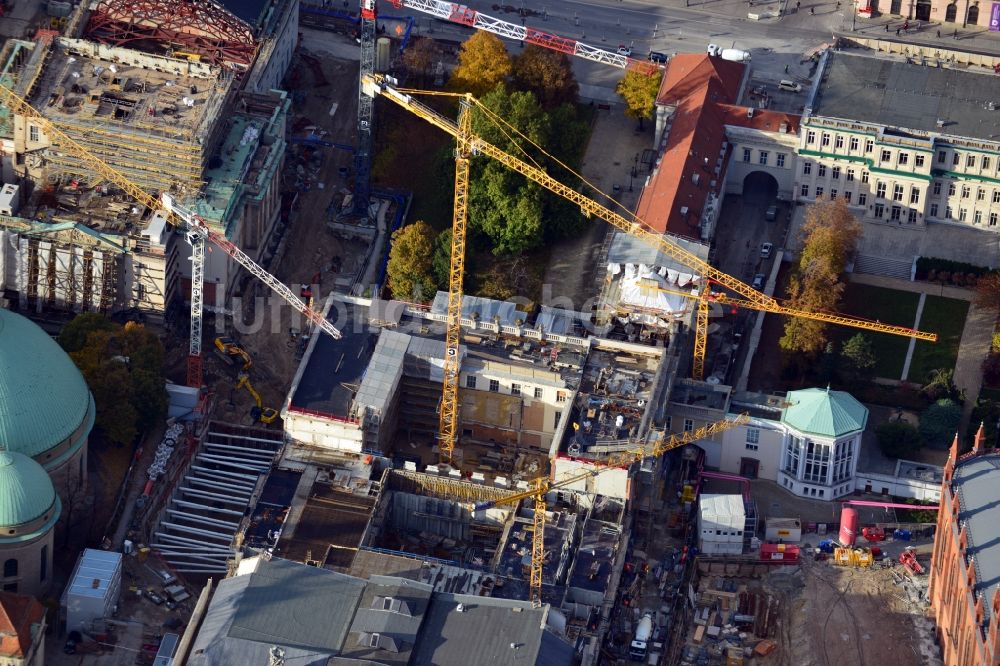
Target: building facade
894,166
808,442
959,13
965,565
29,511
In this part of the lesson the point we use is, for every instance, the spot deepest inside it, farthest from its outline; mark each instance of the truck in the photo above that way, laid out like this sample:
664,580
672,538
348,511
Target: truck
643,632
736,55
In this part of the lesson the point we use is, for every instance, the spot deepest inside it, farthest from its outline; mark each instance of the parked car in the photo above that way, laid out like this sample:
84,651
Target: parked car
758,281
772,213
154,597
625,50
765,250
657,57
789,86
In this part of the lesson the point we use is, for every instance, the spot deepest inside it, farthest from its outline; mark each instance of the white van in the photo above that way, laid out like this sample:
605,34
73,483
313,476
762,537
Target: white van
789,86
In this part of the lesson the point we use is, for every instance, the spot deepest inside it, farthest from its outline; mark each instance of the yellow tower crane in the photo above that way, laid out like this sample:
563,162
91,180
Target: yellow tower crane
469,143
541,486
196,232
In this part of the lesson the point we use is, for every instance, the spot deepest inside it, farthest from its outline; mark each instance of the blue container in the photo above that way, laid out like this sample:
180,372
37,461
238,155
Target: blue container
902,535
826,545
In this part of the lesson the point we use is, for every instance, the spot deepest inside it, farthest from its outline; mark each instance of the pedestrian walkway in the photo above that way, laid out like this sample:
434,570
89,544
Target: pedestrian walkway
977,338
913,341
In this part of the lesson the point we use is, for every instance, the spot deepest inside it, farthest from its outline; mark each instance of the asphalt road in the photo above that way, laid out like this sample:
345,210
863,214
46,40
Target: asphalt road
646,26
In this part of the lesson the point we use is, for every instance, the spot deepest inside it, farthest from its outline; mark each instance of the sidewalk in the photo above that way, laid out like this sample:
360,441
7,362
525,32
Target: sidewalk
977,338
834,19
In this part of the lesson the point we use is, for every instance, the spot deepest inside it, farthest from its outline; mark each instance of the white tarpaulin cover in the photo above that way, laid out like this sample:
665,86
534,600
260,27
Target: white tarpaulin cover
641,288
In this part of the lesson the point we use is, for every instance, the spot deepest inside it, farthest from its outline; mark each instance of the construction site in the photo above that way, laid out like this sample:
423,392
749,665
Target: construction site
466,444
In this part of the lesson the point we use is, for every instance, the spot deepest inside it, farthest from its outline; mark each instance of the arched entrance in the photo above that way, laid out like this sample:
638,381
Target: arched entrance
973,18
923,10
759,189
950,12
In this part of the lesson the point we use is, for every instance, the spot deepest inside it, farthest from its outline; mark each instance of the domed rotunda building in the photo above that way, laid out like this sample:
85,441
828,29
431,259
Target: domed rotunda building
29,511
46,415
46,409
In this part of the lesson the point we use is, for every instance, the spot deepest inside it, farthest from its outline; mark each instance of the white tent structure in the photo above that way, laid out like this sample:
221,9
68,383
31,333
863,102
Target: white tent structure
641,291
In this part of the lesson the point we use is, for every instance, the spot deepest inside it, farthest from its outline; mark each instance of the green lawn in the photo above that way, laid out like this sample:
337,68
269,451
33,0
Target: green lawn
946,317
888,306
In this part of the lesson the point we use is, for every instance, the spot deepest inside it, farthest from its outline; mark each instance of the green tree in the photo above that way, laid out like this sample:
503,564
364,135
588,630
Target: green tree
939,423
441,261
830,237
546,73
74,334
898,439
123,366
409,273
639,91
483,64
858,352
940,384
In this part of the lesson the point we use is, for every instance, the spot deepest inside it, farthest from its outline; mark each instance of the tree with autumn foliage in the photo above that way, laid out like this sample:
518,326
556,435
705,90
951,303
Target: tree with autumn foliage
410,272
483,64
123,366
546,73
421,55
988,291
639,90
829,238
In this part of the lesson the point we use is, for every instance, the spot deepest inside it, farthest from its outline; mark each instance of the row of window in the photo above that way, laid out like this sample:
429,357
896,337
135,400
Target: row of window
972,161
966,191
835,172
763,156
902,158
838,141
515,388
688,424
963,215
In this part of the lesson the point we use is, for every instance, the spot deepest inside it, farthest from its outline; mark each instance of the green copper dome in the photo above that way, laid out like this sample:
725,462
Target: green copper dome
43,398
824,412
26,490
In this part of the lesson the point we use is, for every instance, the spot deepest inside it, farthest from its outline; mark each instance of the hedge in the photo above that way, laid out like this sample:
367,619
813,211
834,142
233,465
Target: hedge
927,264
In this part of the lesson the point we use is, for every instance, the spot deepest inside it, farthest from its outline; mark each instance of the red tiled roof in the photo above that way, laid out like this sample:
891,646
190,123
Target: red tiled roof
688,72
18,612
763,119
696,84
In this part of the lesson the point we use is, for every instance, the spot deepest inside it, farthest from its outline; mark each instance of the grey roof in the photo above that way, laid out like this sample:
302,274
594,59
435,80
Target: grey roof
95,572
559,321
386,312
975,482
484,633
898,94
383,372
486,308
389,618
625,249
335,367
305,610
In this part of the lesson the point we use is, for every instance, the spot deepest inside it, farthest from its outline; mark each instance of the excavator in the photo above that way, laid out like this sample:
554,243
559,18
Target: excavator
229,349
259,412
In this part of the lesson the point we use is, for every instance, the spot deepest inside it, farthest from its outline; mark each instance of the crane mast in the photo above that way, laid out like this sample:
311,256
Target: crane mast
540,487
196,232
363,155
